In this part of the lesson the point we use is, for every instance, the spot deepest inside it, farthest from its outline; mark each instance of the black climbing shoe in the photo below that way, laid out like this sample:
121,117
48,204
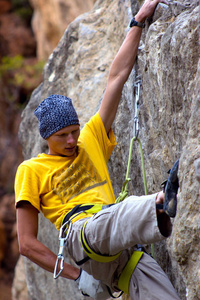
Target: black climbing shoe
170,189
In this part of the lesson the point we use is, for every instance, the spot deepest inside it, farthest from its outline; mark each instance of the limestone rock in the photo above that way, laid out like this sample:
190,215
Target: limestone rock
50,20
171,118
19,290
168,63
187,224
197,168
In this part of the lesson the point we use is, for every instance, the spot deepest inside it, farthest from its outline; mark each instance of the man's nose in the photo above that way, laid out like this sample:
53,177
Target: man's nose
70,139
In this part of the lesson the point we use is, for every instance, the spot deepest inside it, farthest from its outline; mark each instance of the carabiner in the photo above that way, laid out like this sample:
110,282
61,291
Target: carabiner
61,259
65,230
63,239
137,97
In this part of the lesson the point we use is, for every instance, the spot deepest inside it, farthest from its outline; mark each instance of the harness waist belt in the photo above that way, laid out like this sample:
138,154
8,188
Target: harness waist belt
87,208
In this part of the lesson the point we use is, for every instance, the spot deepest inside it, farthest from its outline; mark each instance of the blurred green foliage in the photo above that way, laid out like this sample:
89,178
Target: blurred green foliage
17,66
10,64
19,74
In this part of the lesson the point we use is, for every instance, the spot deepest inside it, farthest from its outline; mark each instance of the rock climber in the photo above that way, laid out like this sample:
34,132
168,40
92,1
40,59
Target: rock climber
72,181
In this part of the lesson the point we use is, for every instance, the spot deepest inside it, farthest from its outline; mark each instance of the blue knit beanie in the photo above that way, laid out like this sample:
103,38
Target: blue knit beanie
55,113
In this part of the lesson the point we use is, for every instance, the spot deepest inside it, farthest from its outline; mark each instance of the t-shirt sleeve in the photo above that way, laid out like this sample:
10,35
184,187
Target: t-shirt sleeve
27,186
106,141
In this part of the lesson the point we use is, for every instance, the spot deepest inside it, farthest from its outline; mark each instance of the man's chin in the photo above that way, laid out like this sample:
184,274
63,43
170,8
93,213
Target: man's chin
70,152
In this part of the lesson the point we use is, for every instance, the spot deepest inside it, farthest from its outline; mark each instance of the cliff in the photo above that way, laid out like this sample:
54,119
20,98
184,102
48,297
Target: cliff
169,66
50,19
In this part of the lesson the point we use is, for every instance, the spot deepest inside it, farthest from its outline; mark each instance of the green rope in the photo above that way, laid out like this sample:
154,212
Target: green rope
143,168
124,193
145,185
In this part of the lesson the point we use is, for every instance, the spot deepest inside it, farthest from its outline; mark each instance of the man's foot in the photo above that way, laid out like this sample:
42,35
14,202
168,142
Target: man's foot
170,190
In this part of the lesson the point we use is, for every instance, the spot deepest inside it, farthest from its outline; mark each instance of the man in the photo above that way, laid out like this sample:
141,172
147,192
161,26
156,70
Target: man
74,172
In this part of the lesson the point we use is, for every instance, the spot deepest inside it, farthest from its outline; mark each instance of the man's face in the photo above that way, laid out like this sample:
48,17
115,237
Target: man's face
64,141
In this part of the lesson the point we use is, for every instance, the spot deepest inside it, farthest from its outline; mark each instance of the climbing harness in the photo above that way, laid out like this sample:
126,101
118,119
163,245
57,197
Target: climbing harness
84,209
91,254
125,276
64,234
65,230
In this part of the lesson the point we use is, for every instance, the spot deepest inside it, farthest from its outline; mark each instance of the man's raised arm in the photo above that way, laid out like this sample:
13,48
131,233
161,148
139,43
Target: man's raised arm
123,64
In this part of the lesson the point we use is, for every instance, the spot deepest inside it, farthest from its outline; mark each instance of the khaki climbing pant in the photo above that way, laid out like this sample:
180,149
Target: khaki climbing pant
119,228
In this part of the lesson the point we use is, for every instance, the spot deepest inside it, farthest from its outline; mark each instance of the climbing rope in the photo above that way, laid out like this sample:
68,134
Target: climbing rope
124,192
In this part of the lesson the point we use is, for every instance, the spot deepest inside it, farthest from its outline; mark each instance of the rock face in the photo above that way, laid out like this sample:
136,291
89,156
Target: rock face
169,66
19,290
50,20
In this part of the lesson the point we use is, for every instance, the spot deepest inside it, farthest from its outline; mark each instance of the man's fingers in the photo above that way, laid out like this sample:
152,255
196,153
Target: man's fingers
165,2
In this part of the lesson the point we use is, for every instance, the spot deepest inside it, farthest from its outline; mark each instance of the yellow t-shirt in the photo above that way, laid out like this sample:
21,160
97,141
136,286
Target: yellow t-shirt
56,184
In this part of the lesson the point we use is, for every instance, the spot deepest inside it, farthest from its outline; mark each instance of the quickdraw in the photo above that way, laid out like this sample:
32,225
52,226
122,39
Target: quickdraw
137,87
124,192
60,258
65,230
63,236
